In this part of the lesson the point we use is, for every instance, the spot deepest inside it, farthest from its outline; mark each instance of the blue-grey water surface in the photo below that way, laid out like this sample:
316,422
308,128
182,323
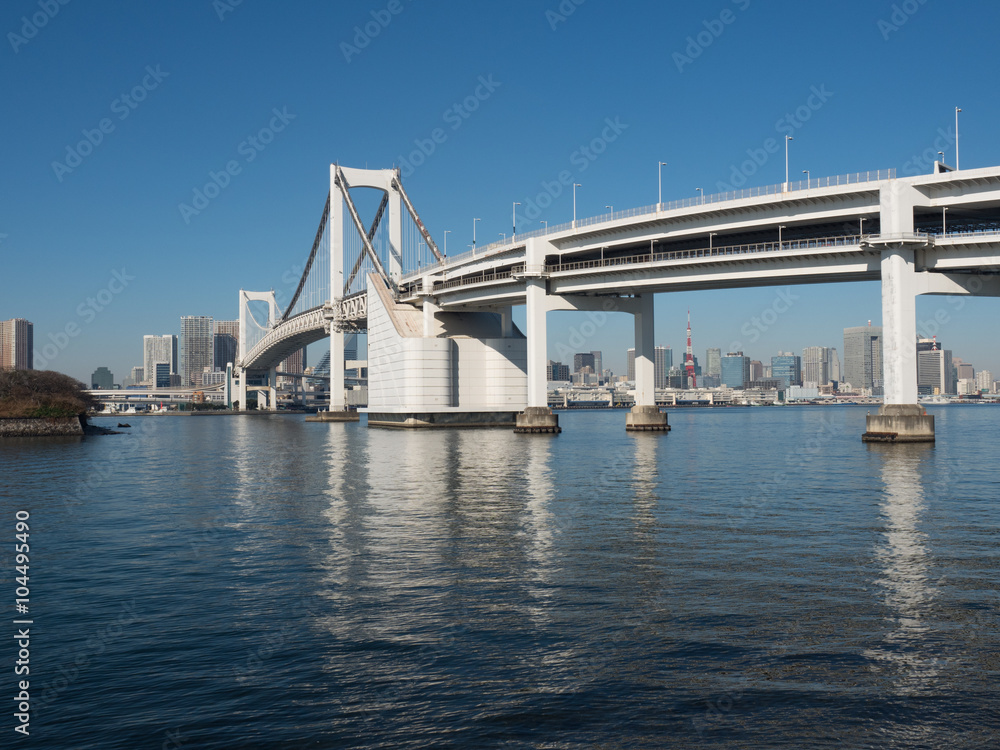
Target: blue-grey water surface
756,578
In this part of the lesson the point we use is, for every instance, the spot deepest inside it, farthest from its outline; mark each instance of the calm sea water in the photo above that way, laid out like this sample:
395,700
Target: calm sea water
756,578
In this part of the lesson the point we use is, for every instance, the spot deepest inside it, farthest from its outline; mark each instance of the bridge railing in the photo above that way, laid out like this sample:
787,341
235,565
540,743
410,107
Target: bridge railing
709,252
499,246
511,274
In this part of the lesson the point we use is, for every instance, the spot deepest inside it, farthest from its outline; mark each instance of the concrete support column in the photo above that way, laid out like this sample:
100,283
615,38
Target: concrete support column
338,400
537,343
537,417
900,419
645,415
242,389
272,389
899,326
430,322
645,355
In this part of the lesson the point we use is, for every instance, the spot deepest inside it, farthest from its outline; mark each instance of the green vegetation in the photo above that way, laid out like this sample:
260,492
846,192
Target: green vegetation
42,393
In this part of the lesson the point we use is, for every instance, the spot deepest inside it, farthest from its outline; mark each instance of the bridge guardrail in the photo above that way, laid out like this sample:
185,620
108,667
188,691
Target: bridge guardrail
781,187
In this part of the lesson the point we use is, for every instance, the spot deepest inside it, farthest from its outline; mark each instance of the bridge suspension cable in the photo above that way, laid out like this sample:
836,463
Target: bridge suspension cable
312,256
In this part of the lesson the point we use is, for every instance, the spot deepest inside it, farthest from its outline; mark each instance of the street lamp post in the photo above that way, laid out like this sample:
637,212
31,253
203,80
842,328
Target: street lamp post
862,226
957,110
420,252
446,242
710,236
780,227
575,186
944,220
659,194
612,210
474,235
543,221
701,193
513,221
787,139
806,173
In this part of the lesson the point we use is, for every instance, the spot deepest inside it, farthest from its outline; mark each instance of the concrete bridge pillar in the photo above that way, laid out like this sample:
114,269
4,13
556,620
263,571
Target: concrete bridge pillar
645,415
537,416
900,419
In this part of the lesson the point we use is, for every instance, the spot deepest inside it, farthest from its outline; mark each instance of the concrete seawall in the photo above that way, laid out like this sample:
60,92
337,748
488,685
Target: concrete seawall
40,426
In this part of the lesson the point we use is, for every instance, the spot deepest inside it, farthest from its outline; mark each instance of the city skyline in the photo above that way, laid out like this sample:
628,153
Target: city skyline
132,147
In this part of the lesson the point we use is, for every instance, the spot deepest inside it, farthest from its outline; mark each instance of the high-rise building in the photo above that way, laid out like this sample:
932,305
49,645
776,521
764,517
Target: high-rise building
226,343
630,365
935,374
834,366
17,345
735,370
583,359
965,371
663,360
713,362
296,363
161,375
158,349
556,371
197,348
598,364
816,364
756,369
102,379
787,367
134,377
984,381
863,358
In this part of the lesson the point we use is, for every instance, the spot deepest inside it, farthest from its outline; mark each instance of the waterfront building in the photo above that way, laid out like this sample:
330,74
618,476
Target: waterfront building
935,374
556,371
630,365
158,349
713,362
663,360
834,366
787,367
226,342
197,348
756,369
598,364
583,359
161,376
965,371
102,379
17,345
863,358
816,364
735,370
984,381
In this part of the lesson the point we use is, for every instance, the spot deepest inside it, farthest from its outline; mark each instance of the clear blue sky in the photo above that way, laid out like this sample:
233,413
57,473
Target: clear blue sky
208,83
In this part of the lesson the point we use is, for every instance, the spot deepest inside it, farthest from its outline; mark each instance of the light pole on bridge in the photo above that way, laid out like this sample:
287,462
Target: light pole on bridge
806,173
659,194
575,186
543,221
474,236
446,242
710,236
612,210
701,194
957,110
944,220
787,139
513,220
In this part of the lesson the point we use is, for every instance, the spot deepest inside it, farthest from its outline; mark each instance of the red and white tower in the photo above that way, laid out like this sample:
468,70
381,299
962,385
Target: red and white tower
689,359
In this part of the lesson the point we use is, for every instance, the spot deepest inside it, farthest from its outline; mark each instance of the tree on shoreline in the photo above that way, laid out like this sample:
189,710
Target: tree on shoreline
42,393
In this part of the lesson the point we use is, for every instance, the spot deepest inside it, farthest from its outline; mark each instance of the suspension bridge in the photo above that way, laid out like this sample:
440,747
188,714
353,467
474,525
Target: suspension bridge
442,346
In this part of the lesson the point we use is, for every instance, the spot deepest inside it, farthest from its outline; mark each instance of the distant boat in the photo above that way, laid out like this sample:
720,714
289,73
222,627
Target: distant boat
935,400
